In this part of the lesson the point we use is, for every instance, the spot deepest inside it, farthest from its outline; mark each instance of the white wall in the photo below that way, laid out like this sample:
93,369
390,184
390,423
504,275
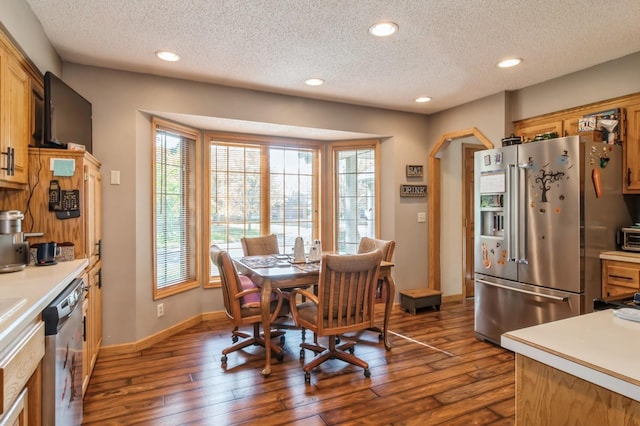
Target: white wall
24,27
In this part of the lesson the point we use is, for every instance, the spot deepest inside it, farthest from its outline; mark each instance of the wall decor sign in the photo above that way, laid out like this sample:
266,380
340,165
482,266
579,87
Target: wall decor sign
413,190
415,170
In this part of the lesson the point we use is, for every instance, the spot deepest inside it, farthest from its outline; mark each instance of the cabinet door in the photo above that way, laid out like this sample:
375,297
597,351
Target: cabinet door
93,207
631,146
93,318
530,132
14,109
85,346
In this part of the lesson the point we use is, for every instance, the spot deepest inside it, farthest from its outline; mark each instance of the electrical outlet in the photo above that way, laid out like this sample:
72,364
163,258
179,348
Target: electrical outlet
160,308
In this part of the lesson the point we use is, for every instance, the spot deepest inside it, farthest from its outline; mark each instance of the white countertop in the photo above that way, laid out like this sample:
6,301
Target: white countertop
29,291
621,256
598,347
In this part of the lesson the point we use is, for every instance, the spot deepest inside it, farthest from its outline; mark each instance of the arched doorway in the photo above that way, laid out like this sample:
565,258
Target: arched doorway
435,197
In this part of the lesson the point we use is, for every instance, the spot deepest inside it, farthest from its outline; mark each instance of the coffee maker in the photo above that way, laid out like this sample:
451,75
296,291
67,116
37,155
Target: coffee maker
14,251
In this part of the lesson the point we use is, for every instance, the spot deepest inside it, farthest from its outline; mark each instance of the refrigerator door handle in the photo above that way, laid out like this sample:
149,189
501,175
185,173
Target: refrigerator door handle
521,202
532,293
511,236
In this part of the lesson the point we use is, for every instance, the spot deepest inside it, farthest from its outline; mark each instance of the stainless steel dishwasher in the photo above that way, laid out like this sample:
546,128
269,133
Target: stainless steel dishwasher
62,364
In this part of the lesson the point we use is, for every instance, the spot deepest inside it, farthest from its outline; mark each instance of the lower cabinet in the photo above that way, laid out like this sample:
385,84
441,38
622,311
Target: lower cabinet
21,375
92,309
619,279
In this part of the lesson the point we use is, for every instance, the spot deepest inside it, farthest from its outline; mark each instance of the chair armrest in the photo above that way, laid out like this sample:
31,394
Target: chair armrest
246,292
304,293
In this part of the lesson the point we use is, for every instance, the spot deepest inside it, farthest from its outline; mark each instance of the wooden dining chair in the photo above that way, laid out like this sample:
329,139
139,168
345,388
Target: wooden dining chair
387,247
243,307
255,246
344,304
264,245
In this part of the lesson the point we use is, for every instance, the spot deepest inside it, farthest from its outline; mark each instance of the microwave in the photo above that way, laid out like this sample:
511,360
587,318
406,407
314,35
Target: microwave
630,239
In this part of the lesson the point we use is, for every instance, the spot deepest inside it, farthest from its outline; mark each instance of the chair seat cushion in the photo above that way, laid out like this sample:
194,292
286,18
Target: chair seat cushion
252,300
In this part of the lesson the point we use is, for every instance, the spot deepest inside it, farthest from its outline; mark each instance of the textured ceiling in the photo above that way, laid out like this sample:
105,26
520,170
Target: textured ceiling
447,50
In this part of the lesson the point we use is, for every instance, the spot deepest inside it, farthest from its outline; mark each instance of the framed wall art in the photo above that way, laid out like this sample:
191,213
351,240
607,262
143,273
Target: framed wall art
413,190
414,170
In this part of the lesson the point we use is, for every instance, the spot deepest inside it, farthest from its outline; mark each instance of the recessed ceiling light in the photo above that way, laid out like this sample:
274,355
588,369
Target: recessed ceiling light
167,56
383,29
314,81
423,99
511,62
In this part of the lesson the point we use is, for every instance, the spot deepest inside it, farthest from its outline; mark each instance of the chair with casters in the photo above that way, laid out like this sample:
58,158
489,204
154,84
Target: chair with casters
387,247
344,303
265,245
243,307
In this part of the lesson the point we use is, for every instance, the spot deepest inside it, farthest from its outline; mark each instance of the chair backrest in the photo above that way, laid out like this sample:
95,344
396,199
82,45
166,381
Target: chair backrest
346,292
255,246
229,281
387,247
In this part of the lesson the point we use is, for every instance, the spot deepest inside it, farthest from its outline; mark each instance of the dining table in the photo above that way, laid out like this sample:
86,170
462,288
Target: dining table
276,271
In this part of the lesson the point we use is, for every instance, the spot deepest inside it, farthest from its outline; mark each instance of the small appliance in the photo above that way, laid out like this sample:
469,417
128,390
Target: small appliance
14,251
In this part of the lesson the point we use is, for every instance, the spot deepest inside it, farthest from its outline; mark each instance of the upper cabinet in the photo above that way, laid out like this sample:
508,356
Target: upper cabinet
565,123
631,172
15,95
20,88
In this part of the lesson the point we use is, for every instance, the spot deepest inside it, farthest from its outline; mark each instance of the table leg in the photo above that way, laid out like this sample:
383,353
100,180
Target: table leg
391,292
266,324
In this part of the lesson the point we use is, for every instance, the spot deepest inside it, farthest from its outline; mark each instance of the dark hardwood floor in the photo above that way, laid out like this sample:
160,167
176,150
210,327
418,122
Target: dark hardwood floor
437,373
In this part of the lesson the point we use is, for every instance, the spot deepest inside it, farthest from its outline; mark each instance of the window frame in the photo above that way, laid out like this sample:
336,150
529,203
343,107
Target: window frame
267,142
195,206
333,148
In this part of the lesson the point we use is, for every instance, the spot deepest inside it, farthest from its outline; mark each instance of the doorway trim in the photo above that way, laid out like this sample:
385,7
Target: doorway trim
434,199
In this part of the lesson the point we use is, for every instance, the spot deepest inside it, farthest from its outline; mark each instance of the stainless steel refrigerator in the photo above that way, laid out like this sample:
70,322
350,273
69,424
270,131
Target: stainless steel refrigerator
544,211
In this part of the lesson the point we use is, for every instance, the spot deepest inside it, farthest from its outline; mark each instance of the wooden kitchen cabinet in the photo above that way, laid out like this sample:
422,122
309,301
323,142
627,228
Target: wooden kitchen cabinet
619,279
631,172
92,322
15,98
20,373
529,130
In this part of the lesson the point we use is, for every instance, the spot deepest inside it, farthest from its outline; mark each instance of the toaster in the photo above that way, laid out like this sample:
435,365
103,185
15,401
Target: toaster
630,239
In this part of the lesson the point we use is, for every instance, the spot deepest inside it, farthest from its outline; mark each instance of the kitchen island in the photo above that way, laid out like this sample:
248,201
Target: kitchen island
580,370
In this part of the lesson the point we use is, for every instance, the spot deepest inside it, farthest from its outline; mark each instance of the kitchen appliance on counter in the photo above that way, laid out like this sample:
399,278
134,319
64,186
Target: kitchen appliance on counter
14,251
543,213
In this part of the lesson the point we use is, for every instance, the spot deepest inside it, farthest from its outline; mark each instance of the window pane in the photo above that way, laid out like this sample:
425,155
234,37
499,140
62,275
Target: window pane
355,198
243,175
174,223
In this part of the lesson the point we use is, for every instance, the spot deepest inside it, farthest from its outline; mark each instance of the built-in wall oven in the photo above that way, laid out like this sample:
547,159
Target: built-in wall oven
62,364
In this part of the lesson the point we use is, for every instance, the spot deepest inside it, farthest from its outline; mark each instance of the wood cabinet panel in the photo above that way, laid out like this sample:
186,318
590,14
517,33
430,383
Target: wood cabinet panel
529,131
17,366
619,279
15,94
34,201
547,396
631,172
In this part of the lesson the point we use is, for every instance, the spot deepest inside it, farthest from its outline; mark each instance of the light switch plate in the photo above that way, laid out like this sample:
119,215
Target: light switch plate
115,177
422,217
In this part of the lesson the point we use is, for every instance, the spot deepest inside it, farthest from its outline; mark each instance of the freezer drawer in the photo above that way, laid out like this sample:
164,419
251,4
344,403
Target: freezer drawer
502,306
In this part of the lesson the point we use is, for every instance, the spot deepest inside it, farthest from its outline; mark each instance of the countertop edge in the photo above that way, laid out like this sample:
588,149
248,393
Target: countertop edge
592,375
621,256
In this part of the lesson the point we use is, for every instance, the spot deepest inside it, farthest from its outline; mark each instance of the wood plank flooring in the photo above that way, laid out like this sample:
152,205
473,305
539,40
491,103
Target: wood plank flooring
437,373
